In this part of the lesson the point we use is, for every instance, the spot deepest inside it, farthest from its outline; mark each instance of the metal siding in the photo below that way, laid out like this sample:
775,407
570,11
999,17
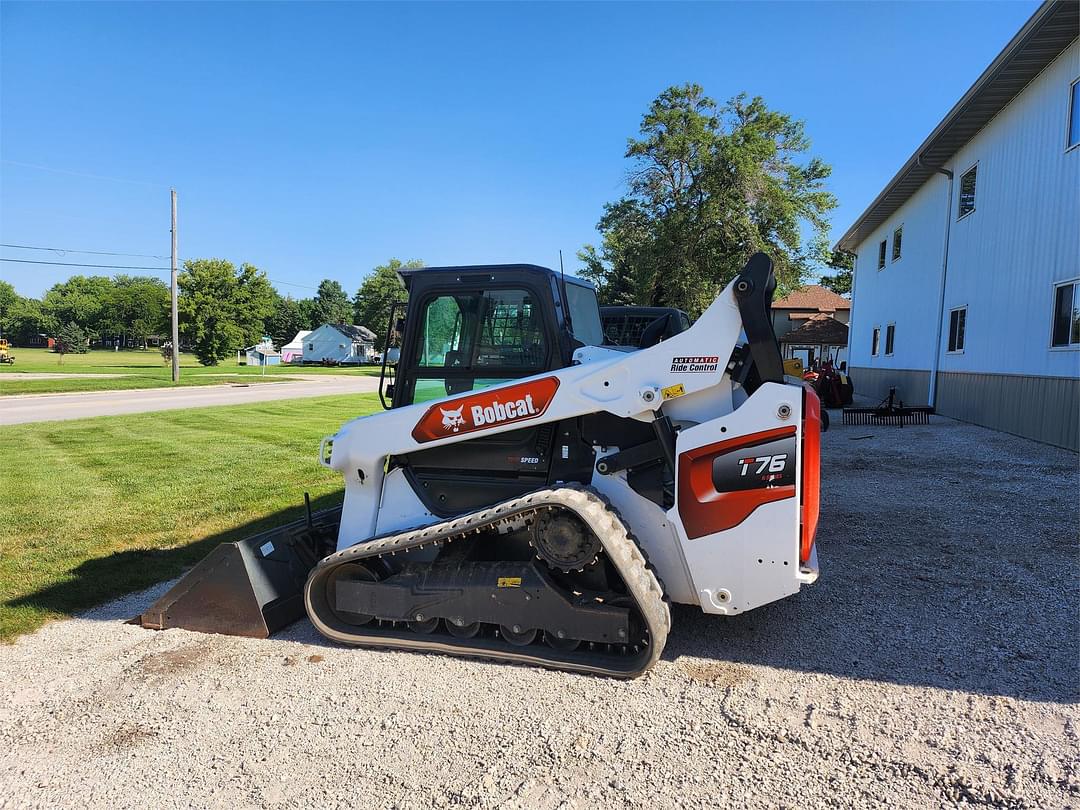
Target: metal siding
912,385
905,291
1003,259
1023,235
1046,409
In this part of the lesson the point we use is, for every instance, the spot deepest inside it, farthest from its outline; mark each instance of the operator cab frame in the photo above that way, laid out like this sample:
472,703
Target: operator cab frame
467,328
496,323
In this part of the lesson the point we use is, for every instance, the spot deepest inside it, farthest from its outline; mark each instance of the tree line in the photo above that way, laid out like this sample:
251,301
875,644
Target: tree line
222,307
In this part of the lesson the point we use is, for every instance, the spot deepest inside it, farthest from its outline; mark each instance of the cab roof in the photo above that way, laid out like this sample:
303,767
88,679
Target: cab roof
407,273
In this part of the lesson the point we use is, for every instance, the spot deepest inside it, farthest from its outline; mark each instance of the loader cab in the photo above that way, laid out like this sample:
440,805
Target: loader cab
467,328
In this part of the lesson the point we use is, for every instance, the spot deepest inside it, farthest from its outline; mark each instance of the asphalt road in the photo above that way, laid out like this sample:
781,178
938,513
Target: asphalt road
18,410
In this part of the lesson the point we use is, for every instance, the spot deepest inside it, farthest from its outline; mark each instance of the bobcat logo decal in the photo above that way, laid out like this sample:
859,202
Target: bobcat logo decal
452,420
485,409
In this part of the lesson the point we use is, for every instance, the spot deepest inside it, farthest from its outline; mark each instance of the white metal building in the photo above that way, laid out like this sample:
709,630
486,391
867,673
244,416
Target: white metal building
967,276
293,351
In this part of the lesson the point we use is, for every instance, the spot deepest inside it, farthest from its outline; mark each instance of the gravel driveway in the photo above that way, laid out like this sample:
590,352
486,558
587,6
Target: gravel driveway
937,662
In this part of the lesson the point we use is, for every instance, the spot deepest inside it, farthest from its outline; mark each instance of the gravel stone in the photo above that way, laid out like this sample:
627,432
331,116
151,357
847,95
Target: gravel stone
936,664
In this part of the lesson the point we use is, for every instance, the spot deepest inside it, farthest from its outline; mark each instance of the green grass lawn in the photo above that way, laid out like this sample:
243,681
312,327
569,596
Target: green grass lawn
95,508
141,369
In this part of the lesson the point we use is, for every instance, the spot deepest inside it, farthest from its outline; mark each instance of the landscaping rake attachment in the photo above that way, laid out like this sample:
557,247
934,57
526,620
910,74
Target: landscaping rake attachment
891,411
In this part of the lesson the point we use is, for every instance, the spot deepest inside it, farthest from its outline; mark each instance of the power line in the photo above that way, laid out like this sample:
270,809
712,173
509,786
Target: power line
133,267
77,264
291,284
64,251
83,174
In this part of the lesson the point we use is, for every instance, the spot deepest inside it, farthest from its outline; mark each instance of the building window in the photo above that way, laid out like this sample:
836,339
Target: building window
881,255
875,342
897,239
1066,331
890,334
957,326
967,192
1074,115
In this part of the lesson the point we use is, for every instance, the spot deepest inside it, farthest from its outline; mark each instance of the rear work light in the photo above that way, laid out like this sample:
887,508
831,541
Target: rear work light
811,472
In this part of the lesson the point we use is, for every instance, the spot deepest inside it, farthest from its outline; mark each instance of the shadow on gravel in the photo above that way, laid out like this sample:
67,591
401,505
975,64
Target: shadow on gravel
949,559
101,579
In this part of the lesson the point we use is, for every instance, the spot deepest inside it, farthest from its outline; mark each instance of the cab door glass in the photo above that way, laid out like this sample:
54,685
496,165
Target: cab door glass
584,314
471,341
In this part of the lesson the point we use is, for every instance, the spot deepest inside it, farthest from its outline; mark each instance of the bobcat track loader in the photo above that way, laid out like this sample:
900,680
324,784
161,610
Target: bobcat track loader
531,496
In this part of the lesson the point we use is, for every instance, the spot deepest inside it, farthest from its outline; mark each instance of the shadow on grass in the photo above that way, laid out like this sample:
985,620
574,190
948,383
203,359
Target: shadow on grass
104,579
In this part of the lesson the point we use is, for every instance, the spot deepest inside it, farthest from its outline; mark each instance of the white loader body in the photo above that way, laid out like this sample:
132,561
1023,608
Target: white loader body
729,570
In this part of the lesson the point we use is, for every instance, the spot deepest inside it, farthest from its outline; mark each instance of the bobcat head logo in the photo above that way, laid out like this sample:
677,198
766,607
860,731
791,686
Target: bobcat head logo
452,420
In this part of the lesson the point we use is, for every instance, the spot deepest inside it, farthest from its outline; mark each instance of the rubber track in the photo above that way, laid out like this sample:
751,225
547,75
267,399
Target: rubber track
590,507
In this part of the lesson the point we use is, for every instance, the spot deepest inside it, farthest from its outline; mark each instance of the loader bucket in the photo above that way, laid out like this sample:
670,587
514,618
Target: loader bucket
253,587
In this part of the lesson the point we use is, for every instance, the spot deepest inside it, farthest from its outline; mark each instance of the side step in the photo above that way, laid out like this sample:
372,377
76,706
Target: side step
251,588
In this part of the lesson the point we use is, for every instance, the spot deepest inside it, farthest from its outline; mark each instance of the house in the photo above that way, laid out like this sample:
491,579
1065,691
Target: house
967,273
820,337
39,340
262,354
811,324
339,343
293,351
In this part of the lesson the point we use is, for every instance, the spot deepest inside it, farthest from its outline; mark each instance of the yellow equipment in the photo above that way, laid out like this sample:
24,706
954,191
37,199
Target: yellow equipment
5,352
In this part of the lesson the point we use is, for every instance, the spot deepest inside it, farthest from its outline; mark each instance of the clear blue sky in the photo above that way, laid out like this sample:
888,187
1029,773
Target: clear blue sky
317,140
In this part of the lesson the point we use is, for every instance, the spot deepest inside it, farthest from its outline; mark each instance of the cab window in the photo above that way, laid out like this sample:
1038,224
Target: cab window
584,314
471,341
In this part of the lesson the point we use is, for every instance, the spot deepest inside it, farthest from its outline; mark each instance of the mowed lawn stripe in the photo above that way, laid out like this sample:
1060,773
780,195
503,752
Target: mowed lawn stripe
144,369
96,508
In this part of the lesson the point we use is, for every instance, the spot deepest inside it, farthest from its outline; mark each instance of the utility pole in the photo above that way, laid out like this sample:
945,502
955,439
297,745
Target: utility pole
175,320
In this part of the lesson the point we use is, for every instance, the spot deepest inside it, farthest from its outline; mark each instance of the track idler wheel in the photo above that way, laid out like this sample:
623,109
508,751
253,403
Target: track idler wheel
463,630
424,626
562,644
350,572
517,636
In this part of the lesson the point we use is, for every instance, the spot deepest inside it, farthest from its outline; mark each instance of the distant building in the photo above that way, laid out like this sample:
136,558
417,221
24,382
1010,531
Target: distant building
812,324
967,278
262,354
339,344
293,351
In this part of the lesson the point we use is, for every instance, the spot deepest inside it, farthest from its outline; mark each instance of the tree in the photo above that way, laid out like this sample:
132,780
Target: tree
289,317
222,308
332,303
25,319
9,300
380,291
708,187
71,339
136,306
615,268
306,314
81,300
844,264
